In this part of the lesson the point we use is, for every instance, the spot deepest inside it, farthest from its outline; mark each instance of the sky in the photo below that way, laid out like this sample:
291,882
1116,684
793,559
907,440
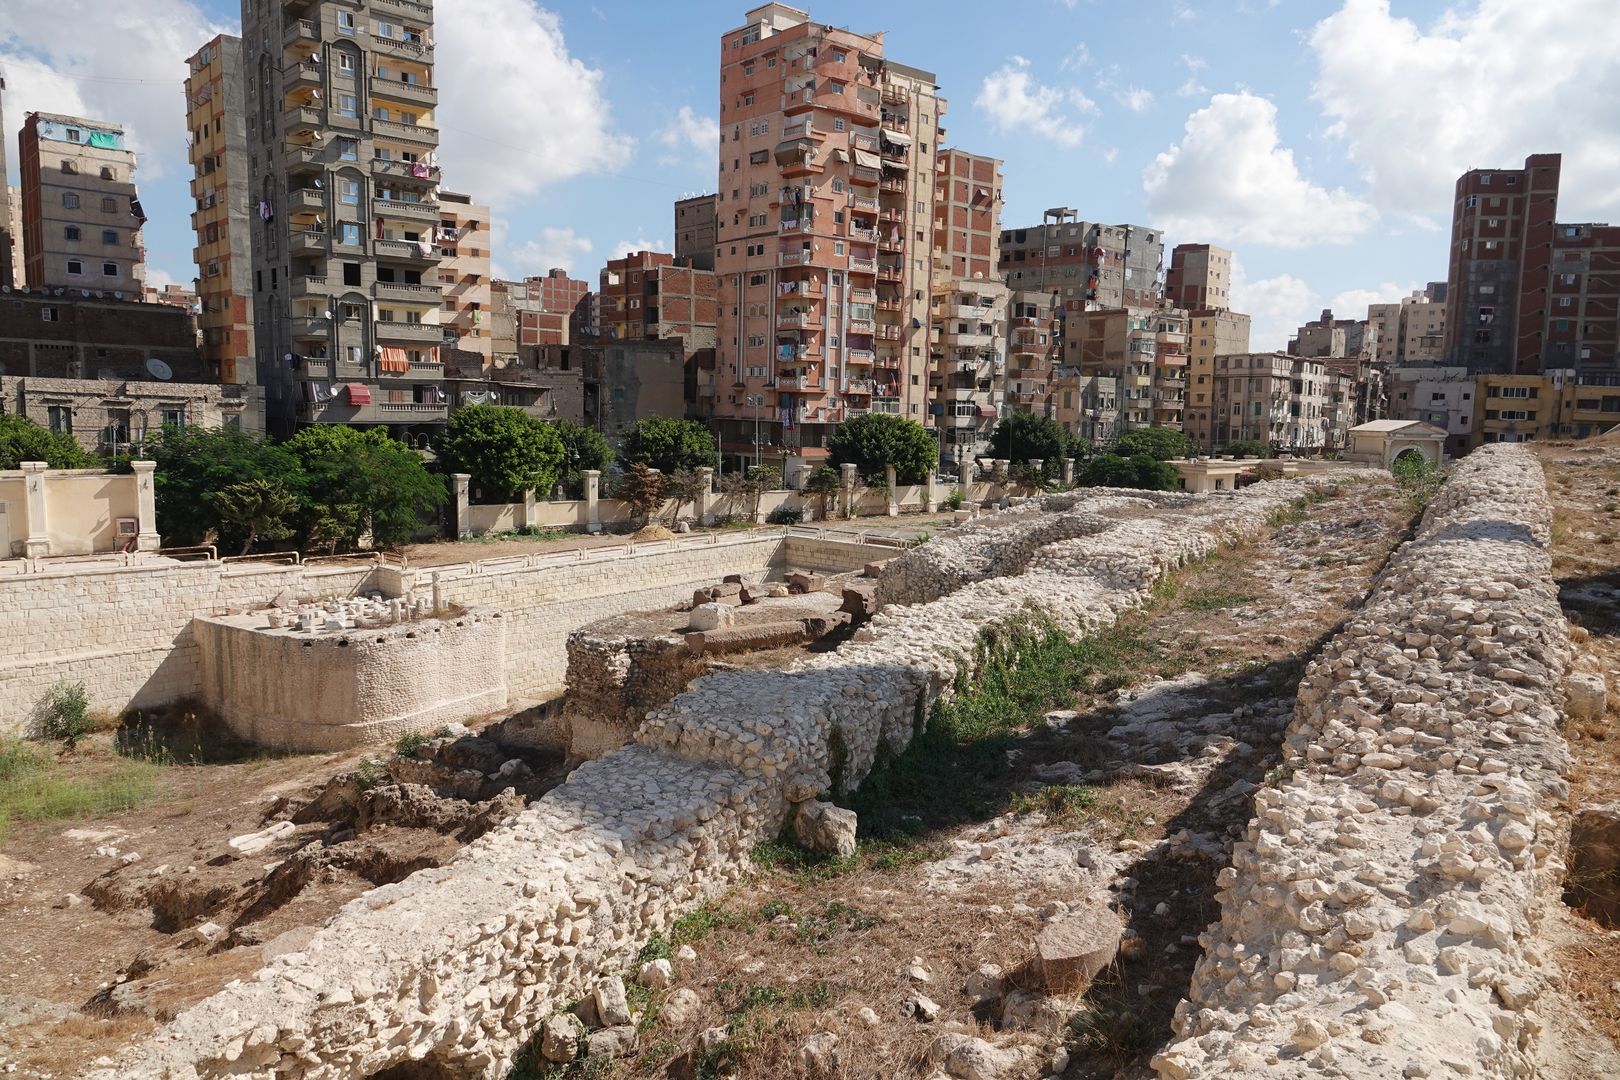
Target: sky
1320,139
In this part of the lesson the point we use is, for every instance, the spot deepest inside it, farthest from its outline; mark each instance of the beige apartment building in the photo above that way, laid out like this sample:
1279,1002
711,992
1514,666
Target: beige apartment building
1200,277
342,141
463,240
82,214
1211,333
1145,350
1412,330
217,119
824,232
1294,403
968,379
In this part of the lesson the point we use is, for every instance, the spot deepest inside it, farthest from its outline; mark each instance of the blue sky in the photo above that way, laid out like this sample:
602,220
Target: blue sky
1319,138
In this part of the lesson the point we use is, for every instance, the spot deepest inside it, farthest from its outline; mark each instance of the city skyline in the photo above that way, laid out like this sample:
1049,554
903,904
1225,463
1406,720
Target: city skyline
1304,165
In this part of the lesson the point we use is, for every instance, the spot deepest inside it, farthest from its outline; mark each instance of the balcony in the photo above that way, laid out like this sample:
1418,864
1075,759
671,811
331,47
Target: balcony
792,319
863,202
858,233
859,356
300,30
302,327
801,129
308,242
430,333
862,326
306,199
888,333
399,290
378,412
797,224
409,9
300,157
890,273
408,250
863,387
863,266
311,285
301,117
420,51
415,211
862,296
303,74
796,382
415,170
412,133
793,258
893,183
397,90
860,174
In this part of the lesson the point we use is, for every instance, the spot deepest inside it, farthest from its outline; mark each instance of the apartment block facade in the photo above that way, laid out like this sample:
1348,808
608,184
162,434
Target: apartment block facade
824,232
1145,350
1440,395
1412,330
10,210
1290,402
1211,332
342,141
550,309
463,241
1081,263
694,231
969,306
1200,277
82,214
217,119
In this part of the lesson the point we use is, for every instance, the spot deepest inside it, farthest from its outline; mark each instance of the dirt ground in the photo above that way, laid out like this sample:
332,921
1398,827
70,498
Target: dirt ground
966,853
1584,481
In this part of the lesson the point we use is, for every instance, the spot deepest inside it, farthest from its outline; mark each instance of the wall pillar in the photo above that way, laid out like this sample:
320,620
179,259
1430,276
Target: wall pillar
846,489
37,538
593,511
888,478
147,539
529,515
1068,472
459,483
964,478
932,505
705,503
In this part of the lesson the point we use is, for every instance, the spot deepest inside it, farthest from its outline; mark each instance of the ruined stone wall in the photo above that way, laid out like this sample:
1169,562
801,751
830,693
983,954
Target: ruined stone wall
1376,920
338,690
455,968
126,632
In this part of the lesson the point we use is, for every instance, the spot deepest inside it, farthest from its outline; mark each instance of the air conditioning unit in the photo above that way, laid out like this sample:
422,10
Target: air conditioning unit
127,527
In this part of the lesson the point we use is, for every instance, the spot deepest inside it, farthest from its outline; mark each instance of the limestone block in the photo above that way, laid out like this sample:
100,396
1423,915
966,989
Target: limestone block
711,617
821,826
559,1037
1073,948
819,1054
1588,695
618,1041
612,1006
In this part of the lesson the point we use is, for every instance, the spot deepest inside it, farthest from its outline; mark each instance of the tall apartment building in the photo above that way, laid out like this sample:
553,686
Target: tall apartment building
1526,292
1290,402
1200,277
463,241
1211,332
13,272
342,140
9,238
1121,344
1411,330
694,231
824,232
82,215
968,380
217,119
1084,263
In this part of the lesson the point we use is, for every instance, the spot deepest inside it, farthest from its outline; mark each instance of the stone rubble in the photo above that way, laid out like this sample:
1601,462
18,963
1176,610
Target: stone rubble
456,968
1376,921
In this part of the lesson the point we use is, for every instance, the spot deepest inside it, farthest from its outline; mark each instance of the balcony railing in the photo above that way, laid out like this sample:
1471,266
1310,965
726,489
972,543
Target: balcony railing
403,249
410,50
302,116
409,331
863,266
300,30
306,199
399,290
397,90
383,167
391,129
307,242
796,318
397,208
310,285
793,258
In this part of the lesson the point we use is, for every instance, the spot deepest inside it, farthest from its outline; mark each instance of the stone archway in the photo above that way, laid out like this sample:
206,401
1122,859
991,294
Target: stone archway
1422,451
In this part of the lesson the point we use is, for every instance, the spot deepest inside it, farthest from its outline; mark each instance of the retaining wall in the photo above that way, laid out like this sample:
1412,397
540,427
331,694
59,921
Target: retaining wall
455,968
1376,921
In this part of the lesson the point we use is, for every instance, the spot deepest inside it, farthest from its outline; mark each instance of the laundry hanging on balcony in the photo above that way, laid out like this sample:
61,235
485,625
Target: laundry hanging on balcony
394,359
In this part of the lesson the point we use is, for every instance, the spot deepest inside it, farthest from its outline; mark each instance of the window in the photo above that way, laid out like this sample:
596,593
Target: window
70,166
70,200
1471,202
351,311
75,267
380,113
109,173
73,135
386,30
345,60
60,419
348,149
175,418
49,314
345,22
70,232
109,205
838,123
349,233
109,236
109,269
349,192
351,273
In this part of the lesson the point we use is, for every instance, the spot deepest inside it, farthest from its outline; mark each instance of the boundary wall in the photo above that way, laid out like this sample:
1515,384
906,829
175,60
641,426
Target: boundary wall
453,969
1376,921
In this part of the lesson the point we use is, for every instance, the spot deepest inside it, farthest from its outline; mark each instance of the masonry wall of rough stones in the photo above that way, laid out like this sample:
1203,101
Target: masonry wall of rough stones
126,633
455,968
339,690
1376,922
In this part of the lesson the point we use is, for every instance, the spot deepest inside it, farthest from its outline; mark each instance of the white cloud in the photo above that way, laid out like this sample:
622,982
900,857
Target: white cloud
552,122
1231,181
1277,307
1015,103
1183,13
1136,99
1352,303
1192,86
1111,154
701,133
1079,57
640,243
124,63
1487,83
159,278
563,248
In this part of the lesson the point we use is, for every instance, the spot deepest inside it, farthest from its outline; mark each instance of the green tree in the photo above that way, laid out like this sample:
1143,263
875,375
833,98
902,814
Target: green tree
1026,436
1156,442
192,462
505,451
1248,448
258,509
744,488
358,482
823,484
876,440
583,448
642,489
23,440
667,444
1138,471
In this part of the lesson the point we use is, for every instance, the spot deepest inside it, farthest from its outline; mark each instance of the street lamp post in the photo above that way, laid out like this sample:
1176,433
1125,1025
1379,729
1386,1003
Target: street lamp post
756,400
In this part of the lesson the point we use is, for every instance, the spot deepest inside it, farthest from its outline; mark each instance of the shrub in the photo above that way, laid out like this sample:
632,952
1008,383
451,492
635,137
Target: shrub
584,448
1161,444
1141,471
21,439
785,515
1021,437
1248,448
954,500
63,713
877,440
667,444
363,482
822,484
194,462
642,489
505,450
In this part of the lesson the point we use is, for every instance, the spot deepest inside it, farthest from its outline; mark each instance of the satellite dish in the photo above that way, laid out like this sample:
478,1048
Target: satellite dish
61,292
118,296
85,293
101,295
159,370
5,288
